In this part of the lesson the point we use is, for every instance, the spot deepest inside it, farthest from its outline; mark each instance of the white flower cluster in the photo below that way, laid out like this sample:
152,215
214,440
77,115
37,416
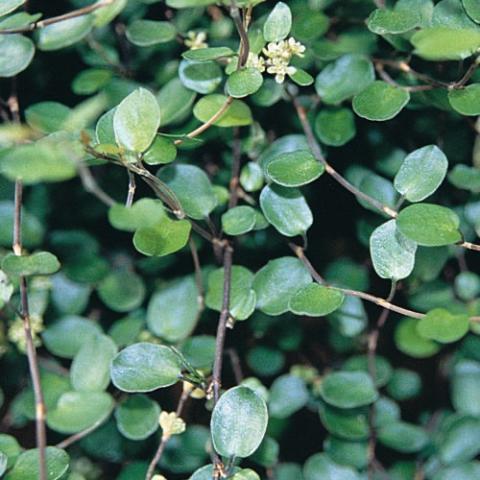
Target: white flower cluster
196,40
16,332
277,58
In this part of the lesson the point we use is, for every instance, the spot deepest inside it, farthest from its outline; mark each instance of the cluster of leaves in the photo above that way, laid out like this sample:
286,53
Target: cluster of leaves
162,303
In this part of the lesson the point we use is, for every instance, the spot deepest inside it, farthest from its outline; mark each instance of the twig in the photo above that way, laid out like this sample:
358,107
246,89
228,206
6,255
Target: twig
131,189
165,438
468,74
198,273
236,365
91,186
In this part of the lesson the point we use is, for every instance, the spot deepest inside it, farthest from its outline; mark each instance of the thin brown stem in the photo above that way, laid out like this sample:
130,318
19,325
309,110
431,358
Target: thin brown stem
470,246
198,273
91,186
131,189
236,365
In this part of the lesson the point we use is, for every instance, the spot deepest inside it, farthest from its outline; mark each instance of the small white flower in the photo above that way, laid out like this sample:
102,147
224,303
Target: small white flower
296,48
255,61
196,40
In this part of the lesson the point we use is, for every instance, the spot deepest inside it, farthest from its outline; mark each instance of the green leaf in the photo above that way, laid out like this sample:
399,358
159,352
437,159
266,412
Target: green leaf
242,296
472,8
208,54
251,177
294,169
382,21
442,326
380,101
16,54
348,389
76,411
145,33
246,474
122,290
165,238
349,424
189,3
335,127
360,363
66,336
278,23
137,417
9,447
344,78
321,467
90,370
239,422
200,351
163,150
286,209
238,114
91,81
244,82
7,6
468,178
316,300
409,341
136,121
144,367
65,33
201,77
302,78
466,100
404,384
277,282
47,117
176,322
239,220
393,254
40,263
27,466
429,225
421,173
459,440
288,394
192,187
444,43
176,101
403,437
466,387
145,212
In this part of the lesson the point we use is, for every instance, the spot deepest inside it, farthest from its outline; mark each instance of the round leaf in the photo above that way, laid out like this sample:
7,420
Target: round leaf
322,467
278,23
316,300
466,100
8,6
382,21
40,263
239,422
288,394
208,54
403,437
65,33
409,341
244,82
122,290
201,77
444,327
144,367
335,127
16,53
145,33
239,220
238,114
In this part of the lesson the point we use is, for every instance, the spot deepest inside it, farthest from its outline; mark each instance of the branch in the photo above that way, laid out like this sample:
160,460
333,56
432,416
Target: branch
131,189
91,186
198,273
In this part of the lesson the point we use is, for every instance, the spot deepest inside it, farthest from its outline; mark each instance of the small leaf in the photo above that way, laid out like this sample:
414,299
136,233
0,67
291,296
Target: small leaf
201,77
466,100
239,220
144,367
137,417
286,209
16,54
145,33
316,300
122,290
403,437
163,150
393,254
65,33
47,117
321,467
208,54
429,225
294,169
335,127
383,21
244,82
442,326
472,7
136,121
145,212
91,81
278,23
176,101
238,114
409,341
463,176
380,101
302,78
40,263
421,173
288,394
277,282
239,422
7,6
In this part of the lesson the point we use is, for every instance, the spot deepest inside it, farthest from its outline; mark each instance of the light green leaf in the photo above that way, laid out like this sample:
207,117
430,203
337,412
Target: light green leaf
277,282
137,417
192,187
122,290
429,225
335,127
409,341
316,300
321,467
144,367
459,440
16,53
472,7
208,54
239,422
348,389
380,101
91,81
239,220
466,100
76,411
201,77
7,6
176,101
383,21
189,3
403,437
251,177
302,78
145,212
421,173
278,23
40,263
286,209
393,254
288,394
90,370
344,78
244,82
47,117
238,114
350,424
136,121
294,169
442,326
65,33
176,322
145,33
444,43
27,466
163,150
